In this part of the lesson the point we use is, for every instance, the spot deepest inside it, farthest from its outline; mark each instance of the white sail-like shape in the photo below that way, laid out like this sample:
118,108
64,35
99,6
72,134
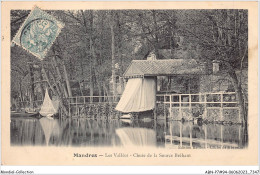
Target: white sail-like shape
138,96
50,128
49,107
136,137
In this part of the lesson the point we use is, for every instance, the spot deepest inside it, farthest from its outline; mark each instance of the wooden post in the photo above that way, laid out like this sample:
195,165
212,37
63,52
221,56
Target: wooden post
171,132
155,126
239,136
200,99
170,106
221,136
155,105
191,136
180,112
190,111
164,107
205,130
239,113
76,105
77,128
180,134
221,107
206,111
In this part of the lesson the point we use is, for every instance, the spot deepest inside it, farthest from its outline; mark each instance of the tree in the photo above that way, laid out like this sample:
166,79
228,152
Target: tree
93,41
111,23
223,36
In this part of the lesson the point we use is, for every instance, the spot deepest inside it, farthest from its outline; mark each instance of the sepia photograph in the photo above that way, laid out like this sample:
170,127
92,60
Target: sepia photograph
167,78
174,80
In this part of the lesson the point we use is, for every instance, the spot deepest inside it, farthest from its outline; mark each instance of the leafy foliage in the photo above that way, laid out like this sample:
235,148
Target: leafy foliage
84,45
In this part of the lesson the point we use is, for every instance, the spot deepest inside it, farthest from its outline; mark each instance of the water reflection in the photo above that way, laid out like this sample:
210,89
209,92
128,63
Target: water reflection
50,128
214,136
136,137
89,132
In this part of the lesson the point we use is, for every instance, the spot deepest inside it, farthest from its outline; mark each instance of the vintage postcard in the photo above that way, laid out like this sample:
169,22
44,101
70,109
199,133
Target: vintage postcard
129,83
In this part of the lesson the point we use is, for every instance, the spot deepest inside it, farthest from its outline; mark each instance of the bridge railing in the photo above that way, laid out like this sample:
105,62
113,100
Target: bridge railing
79,100
219,106
221,99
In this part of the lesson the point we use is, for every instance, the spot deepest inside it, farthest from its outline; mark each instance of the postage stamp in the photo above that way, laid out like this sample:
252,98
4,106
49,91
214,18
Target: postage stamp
38,32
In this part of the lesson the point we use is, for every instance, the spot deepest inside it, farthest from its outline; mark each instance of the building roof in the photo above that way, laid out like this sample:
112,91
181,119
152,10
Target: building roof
167,67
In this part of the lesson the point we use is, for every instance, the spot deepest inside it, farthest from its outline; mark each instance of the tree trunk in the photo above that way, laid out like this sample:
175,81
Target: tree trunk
61,83
41,87
91,87
20,90
172,45
91,47
32,96
93,56
82,78
100,49
105,92
156,43
239,95
67,79
48,81
111,23
81,92
55,83
119,43
99,91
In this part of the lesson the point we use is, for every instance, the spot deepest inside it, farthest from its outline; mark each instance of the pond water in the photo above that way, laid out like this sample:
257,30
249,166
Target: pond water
27,131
